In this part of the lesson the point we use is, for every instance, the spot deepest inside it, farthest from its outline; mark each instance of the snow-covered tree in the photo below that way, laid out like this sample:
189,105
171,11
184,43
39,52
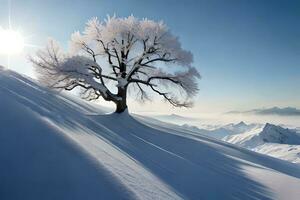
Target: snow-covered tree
120,54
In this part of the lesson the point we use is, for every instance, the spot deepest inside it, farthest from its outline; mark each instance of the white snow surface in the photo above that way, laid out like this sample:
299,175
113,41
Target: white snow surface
56,146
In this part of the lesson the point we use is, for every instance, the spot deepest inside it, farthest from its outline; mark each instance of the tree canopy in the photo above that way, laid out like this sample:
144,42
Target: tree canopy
119,54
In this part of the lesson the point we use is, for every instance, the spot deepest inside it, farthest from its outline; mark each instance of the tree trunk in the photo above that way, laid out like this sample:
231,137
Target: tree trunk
121,105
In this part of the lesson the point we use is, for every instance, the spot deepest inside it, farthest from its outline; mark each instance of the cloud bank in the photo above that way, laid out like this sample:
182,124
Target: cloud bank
288,111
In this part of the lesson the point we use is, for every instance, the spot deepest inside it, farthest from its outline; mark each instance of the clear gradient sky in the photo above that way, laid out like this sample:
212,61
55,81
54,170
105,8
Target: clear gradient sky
248,51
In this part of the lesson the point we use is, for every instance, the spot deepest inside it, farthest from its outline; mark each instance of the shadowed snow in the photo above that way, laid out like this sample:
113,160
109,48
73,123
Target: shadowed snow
58,147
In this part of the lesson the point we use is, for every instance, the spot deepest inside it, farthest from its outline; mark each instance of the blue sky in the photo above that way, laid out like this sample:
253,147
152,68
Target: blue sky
248,52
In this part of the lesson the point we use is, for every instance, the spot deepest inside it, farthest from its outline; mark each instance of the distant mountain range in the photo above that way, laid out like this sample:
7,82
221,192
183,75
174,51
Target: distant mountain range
268,139
173,117
287,111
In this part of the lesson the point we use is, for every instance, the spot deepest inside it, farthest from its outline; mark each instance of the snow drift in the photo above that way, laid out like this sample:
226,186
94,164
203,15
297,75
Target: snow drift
58,147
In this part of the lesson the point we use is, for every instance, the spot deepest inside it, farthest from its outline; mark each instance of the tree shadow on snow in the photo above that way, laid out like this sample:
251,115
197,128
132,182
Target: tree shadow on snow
195,169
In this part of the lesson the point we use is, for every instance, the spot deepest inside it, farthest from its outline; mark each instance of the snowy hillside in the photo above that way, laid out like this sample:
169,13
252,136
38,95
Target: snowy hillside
59,147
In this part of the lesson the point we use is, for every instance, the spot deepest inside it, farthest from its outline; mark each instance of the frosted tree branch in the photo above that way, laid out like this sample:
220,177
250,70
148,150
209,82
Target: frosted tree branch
127,51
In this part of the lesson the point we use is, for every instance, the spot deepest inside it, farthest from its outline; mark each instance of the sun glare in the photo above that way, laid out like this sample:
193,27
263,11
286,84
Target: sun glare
11,42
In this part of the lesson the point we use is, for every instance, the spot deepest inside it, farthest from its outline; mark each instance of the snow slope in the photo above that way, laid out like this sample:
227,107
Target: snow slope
59,147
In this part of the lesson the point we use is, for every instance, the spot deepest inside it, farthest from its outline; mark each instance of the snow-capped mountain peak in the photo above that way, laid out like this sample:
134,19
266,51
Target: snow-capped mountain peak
241,124
276,134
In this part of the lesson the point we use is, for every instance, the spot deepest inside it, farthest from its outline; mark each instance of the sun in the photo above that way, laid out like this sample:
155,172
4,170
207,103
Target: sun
11,42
